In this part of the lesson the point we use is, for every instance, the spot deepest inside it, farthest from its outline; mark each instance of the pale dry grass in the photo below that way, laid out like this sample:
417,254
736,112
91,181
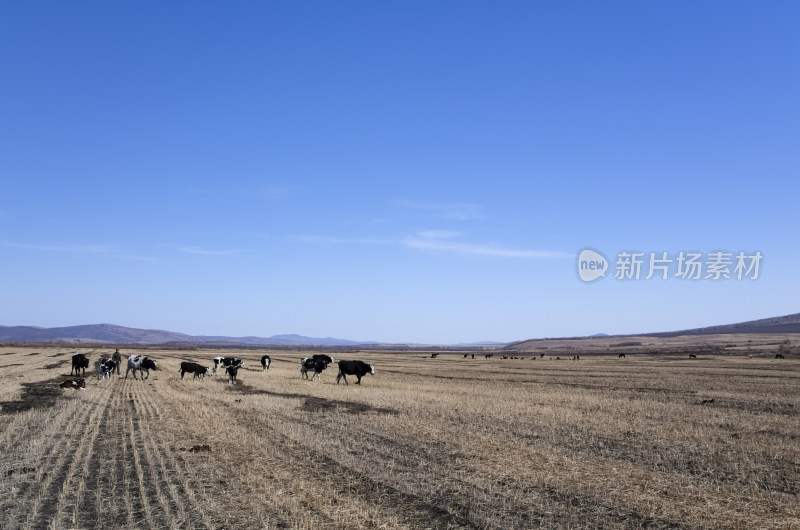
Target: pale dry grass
446,442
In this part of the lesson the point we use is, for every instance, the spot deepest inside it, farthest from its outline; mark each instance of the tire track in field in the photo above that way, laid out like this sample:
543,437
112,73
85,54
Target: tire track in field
61,462
175,495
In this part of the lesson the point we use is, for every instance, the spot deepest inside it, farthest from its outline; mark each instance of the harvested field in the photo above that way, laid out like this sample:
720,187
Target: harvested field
651,441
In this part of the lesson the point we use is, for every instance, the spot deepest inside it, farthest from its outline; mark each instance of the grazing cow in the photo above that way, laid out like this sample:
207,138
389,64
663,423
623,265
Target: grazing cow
489,355
265,360
692,356
107,367
219,362
434,355
194,368
76,384
315,365
473,355
576,358
542,355
232,371
506,356
79,362
143,363
465,355
621,355
779,356
116,357
356,368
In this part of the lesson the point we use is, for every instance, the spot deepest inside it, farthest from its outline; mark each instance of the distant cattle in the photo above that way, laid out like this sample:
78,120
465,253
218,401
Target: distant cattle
576,357
434,355
316,366
356,368
489,355
79,362
194,368
506,356
465,355
232,371
692,356
219,362
779,356
473,355
142,363
75,384
621,355
265,360
107,367
542,355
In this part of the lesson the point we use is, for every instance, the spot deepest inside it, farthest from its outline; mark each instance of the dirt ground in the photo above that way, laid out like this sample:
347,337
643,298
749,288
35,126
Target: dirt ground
657,441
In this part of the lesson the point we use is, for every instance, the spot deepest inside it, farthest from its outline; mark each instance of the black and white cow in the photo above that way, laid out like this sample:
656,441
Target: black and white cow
142,363
265,360
107,367
356,368
232,371
79,362
219,362
310,364
194,368
321,357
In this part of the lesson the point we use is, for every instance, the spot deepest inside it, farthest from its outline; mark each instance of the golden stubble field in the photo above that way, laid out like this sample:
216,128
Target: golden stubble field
425,443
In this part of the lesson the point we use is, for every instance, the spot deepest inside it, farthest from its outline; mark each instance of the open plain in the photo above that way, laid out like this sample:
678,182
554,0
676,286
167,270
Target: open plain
648,440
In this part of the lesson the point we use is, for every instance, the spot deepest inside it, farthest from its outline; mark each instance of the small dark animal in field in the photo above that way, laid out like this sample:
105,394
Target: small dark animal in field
76,384
541,355
576,357
314,365
558,358
692,356
473,355
779,356
265,360
219,362
465,355
621,355
143,363
489,355
79,362
356,368
434,355
194,368
708,401
107,367
232,372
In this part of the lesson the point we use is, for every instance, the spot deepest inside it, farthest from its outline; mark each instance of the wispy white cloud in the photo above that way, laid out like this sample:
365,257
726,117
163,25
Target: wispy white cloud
206,252
443,241
455,211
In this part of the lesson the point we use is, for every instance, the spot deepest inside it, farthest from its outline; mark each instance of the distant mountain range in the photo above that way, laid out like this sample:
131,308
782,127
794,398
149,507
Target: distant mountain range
784,324
109,333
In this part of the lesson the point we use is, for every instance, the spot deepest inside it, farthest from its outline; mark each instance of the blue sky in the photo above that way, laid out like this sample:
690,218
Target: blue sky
393,171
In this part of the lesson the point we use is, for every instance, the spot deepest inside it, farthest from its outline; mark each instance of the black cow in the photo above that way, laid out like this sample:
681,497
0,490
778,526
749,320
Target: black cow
434,355
779,356
76,384
232,371
219,362
621,355
79,362
265,360
194,368
321,357
489,355
315,365
143,363
356,368
692,356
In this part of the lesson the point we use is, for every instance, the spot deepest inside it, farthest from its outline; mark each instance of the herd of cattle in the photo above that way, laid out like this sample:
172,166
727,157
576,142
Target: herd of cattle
316,365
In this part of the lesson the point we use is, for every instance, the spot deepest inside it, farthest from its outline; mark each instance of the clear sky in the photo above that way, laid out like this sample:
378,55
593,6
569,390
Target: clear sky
394,171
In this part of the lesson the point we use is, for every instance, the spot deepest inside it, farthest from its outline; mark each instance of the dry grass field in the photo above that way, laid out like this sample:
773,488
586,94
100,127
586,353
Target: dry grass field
425,443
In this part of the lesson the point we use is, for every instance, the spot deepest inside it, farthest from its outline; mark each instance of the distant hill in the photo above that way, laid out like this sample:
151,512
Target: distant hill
777,325
784,324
